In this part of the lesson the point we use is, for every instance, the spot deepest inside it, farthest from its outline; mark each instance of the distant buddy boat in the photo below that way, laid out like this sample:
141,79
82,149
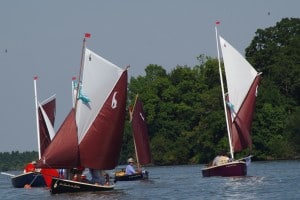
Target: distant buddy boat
141,143
239,105
45,117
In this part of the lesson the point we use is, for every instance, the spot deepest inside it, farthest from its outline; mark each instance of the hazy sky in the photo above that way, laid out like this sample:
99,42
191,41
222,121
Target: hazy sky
44,38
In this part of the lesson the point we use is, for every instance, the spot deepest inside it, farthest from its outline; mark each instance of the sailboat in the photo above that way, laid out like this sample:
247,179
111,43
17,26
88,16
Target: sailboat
91,134
141,143
239,105
45,117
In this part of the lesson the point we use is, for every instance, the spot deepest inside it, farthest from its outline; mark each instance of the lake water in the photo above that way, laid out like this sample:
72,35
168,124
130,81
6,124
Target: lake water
265,180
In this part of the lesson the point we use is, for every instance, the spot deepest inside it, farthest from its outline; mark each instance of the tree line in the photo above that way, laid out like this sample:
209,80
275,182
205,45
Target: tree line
16,160
184,108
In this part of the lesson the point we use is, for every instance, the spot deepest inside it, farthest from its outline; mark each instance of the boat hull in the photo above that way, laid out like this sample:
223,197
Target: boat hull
134,177
235,168
33,179
59,185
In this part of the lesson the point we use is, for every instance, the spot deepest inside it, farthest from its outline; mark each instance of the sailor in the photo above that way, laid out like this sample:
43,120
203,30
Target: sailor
77,173
30,167
129,168
220,159
99,176
62,173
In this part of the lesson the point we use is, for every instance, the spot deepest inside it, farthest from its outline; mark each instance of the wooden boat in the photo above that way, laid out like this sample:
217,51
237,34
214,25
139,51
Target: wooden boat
45,117
91,134
121,176
141,143
234,168
239,105
33,179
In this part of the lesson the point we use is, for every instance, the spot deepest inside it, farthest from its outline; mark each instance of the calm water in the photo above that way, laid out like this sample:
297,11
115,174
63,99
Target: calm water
265,180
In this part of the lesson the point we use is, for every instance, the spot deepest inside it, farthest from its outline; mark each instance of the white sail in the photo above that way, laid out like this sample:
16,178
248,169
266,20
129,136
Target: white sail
239,75
98,75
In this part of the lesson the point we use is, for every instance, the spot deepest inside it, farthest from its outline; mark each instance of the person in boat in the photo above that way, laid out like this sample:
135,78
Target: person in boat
62,173
99,177
220,159
130,167
30,167
77,174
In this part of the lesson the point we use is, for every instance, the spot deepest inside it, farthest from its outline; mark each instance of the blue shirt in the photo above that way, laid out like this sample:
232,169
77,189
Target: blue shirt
130,170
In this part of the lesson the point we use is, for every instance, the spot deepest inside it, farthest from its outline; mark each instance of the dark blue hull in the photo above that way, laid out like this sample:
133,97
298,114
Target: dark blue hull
32,178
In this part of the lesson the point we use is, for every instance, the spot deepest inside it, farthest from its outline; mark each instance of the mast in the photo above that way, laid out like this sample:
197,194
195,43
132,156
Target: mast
223,94
37,116
87,35
135,149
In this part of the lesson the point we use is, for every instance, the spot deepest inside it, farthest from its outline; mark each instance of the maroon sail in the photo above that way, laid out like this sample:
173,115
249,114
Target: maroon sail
62,152
241,125
140,133
50,108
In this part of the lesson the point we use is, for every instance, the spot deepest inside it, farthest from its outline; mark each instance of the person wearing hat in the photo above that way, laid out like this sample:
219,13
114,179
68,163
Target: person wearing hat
30,167
129,168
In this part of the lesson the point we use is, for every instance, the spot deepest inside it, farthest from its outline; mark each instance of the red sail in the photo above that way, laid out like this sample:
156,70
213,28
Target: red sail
101,146
140,134
50,109
241,126
62,152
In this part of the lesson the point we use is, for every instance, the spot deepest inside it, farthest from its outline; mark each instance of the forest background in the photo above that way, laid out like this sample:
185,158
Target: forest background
184,108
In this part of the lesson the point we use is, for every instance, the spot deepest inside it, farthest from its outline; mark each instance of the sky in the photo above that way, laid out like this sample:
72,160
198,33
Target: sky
44,38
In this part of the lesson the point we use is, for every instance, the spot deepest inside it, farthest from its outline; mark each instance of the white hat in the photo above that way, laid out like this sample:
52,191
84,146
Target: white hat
130,160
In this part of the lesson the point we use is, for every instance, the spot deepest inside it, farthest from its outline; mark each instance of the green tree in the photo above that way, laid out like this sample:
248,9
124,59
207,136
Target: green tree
276,52
15,160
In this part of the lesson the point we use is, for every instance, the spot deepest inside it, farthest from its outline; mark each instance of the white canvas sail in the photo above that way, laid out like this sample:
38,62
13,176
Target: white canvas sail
98,75
239,75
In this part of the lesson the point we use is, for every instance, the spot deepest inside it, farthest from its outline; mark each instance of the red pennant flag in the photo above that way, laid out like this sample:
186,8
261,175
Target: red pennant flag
87,35
73,78
35,77
217,22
